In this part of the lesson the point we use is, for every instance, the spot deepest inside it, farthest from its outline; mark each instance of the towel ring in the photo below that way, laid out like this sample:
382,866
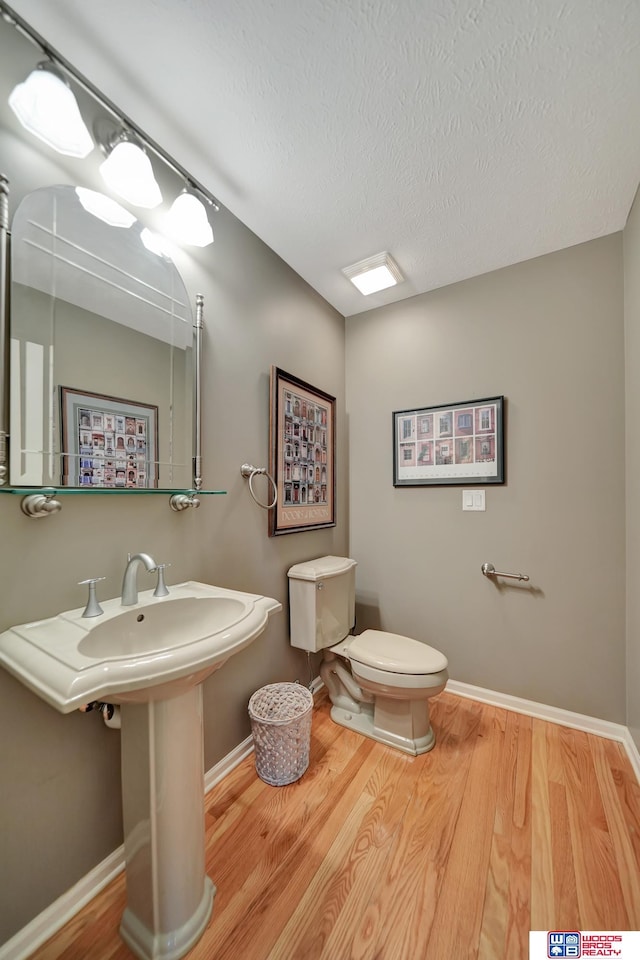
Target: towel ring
248,470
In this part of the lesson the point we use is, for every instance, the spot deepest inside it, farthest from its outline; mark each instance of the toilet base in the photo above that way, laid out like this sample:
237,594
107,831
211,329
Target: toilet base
413,734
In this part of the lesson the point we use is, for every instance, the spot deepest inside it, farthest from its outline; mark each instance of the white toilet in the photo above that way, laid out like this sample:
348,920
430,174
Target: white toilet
379,683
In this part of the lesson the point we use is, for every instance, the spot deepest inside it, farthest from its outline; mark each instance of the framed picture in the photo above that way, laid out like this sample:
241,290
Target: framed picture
302,455
454,443
107,442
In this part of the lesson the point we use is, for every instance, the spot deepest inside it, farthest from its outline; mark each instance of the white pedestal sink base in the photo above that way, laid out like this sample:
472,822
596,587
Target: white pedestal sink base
168,946
169,896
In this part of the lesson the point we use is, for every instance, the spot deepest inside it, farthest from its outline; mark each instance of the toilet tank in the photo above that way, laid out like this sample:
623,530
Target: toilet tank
322,602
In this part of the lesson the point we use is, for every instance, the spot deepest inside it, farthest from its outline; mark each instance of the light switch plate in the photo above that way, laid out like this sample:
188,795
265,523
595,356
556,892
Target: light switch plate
473,500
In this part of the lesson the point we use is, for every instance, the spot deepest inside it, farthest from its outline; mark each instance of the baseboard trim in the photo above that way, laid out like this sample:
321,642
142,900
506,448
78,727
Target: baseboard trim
25,941
220,770
63,909
632,752
543,711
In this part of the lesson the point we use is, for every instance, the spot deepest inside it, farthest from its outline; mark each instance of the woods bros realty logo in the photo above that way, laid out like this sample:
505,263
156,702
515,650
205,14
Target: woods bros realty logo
561,944
574,943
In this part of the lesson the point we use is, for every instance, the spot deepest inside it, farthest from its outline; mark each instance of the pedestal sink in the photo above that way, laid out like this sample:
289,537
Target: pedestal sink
151,658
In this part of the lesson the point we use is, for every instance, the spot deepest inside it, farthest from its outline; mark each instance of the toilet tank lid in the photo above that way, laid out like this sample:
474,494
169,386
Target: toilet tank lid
321,569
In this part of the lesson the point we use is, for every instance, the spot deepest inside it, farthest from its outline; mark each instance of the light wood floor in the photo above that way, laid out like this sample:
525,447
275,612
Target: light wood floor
509,824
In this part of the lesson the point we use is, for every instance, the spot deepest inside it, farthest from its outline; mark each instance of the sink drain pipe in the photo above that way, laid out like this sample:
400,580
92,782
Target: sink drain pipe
110,713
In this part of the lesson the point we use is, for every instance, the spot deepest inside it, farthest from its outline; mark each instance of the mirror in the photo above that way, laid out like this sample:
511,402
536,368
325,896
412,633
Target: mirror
101,352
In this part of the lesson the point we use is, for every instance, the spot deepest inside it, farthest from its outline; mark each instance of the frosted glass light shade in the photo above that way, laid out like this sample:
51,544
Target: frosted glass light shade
187,221
128,172
47,108
104,208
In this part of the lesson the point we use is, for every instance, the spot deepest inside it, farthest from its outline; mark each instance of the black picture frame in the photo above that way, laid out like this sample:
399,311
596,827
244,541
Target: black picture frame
455,444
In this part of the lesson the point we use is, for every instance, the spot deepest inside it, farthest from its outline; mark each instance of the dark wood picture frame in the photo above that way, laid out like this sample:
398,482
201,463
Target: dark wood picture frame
301,455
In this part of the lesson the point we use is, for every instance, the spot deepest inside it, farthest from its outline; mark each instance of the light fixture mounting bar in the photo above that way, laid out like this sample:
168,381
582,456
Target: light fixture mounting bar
20,24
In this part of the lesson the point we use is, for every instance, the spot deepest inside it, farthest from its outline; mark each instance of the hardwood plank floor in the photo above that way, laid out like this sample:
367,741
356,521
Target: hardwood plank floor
509,824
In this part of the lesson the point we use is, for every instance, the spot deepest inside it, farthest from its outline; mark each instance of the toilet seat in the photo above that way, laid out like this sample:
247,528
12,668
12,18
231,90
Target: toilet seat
375,654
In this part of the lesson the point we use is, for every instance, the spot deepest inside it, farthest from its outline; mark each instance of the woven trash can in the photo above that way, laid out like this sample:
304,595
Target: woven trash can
281,725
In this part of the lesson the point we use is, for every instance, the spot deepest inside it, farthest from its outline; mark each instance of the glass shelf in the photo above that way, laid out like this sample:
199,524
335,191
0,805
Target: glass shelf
97,491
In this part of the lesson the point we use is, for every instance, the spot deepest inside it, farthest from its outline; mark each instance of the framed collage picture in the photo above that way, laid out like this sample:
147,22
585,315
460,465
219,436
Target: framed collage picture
107,442
301,455
452,443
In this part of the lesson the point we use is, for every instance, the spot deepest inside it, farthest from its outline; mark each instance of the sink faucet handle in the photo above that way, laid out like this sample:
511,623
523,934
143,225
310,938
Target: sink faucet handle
93,608
161,587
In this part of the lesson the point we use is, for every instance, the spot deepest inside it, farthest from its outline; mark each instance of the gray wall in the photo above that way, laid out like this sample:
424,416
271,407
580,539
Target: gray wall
60,785
548,334
632,382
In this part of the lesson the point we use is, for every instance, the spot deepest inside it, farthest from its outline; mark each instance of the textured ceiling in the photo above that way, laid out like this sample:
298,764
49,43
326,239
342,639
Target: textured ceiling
459,135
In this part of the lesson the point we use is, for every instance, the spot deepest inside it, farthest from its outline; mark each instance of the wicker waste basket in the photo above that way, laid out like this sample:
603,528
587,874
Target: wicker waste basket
281,725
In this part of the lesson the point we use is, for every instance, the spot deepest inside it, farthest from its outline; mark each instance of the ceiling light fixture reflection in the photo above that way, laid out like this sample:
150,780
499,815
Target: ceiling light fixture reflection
156,243
104,208
46,107
128,172
374,274
187,221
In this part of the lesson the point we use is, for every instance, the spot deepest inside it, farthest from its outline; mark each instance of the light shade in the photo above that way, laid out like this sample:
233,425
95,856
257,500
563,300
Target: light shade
128,172
104,208
374,274
47,108
187,221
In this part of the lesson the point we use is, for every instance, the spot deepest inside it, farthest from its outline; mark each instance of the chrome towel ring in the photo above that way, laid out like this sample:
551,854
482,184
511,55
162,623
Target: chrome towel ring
249,471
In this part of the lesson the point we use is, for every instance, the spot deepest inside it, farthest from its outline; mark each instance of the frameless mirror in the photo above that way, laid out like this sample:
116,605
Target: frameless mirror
101,352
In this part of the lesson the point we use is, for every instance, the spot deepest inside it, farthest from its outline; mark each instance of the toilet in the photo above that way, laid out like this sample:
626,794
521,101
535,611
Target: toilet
379,683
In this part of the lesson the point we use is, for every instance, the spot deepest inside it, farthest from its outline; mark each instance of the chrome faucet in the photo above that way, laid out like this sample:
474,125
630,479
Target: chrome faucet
129,582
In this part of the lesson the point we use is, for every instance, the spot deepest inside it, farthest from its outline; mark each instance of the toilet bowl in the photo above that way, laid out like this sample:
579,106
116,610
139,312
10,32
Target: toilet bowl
379,683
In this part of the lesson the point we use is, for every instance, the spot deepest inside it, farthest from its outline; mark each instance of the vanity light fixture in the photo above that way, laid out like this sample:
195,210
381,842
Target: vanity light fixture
373,274
46,107
104,208
128,171
187,221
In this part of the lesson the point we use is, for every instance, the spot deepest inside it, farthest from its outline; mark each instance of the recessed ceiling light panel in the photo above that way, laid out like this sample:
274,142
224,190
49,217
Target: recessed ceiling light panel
374,274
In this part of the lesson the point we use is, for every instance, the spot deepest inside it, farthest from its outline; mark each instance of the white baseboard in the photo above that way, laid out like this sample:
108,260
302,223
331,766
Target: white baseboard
632,753
54,917
220,770
65,907
543,711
